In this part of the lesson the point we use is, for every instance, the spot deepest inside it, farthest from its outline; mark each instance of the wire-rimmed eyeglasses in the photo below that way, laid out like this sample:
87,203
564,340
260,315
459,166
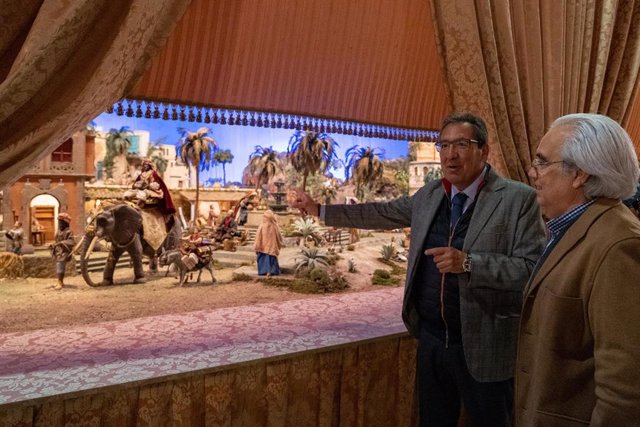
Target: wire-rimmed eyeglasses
538,164
461,144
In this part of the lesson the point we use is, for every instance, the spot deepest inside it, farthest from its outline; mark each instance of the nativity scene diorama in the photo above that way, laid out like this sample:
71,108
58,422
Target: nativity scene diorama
107,202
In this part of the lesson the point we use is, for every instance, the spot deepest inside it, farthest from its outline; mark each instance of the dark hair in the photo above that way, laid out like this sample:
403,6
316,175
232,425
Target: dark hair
479,127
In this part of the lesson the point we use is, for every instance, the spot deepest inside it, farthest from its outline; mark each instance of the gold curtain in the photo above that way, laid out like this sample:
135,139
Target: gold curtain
632,121
522,64
65,62
366,384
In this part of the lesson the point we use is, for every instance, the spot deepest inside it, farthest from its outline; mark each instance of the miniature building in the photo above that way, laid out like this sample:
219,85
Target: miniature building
223,199
53,185
126,168
427,159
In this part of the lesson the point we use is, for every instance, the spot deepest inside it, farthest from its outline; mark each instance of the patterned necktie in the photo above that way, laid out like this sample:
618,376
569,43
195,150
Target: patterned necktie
456,207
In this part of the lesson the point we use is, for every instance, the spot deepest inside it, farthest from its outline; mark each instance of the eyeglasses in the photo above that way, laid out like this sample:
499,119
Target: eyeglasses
538,164
461,144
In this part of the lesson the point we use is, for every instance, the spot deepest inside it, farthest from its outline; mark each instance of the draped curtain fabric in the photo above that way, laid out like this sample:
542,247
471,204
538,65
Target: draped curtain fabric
363,384
522,64
65,62
369,61
632,121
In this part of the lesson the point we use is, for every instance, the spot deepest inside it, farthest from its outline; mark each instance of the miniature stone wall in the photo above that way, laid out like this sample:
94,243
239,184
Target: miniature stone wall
43,266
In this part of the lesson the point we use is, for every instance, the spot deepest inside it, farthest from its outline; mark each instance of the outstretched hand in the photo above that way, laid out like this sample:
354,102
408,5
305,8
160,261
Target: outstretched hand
302,200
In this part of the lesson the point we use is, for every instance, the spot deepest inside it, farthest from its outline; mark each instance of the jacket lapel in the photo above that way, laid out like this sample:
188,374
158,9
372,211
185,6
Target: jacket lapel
428,206
571,238
487,200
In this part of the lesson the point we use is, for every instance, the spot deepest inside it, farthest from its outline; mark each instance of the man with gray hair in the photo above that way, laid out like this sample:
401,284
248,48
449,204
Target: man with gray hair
579,340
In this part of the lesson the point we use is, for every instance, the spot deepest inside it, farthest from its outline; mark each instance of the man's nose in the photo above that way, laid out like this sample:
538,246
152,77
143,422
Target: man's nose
451,153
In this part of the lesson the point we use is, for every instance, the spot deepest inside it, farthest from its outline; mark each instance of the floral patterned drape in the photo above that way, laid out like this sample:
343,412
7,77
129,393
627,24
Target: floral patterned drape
521,64
65,62
366,384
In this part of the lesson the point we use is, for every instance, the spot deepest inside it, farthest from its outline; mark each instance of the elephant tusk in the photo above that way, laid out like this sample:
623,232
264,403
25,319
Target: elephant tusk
75,249
91,245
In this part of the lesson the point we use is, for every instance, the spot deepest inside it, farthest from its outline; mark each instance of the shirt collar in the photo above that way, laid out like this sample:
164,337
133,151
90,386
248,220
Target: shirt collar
472,190
559,224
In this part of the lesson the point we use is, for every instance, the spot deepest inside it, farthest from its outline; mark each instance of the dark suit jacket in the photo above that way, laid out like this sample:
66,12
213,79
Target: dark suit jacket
579,343
505,239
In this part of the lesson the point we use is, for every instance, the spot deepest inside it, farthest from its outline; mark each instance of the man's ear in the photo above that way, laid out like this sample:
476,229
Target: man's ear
485,151
580,178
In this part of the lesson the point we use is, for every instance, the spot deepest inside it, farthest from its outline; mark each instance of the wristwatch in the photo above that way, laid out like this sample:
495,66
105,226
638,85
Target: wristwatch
466,264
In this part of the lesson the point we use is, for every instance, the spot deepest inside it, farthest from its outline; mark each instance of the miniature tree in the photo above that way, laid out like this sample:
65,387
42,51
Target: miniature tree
364,165
310,152
117,143
264,164
197,149
223,157
154,152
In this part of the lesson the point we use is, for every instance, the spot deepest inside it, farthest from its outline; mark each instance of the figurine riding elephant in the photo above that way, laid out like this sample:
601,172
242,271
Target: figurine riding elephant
122,225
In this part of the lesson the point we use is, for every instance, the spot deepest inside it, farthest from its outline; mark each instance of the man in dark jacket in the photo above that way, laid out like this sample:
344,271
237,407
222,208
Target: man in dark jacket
475,238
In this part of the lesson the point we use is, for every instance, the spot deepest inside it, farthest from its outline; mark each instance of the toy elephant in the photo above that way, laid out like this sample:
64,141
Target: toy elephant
122,226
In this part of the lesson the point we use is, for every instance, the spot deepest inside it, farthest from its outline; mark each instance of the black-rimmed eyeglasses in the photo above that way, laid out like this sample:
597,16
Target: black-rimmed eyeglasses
461,144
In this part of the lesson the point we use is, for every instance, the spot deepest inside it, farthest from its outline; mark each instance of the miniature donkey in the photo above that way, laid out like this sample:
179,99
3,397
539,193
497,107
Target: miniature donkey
174,258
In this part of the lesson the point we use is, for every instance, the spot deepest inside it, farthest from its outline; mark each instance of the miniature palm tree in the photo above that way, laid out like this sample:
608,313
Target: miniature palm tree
264,164
311,152
197,149
160,163
364,165
223,157
154,152
326,192
117,143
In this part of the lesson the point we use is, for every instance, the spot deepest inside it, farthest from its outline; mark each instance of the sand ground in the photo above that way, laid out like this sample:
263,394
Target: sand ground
32,303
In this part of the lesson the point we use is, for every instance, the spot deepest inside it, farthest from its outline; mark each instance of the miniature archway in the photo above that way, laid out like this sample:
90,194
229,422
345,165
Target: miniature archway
43,211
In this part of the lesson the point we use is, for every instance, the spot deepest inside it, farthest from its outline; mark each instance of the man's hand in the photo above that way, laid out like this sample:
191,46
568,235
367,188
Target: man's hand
303,201
447,259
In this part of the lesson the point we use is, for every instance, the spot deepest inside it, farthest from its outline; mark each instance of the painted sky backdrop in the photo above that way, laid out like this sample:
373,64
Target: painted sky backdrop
241,140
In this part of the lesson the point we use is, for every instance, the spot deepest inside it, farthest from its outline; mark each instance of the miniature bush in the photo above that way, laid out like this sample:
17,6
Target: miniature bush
351,247
311,258
338,281
277,281
308,230
320,276
351,266
304,286
332,258
241,277
319,281
302,273
396,270
384,278
388,251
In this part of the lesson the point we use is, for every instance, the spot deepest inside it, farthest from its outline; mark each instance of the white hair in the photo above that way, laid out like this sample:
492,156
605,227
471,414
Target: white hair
600,147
